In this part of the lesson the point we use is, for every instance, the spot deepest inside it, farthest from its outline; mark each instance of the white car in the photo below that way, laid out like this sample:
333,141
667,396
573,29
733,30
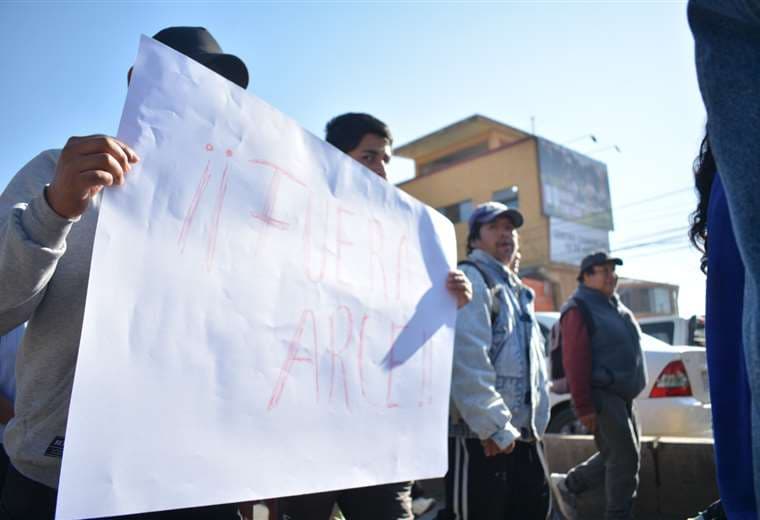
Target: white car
675,402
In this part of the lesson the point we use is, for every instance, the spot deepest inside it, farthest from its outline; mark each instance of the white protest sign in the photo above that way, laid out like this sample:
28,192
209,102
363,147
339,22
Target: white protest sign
265,317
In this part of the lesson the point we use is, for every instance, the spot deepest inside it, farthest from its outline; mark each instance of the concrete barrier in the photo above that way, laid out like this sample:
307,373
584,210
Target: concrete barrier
676,480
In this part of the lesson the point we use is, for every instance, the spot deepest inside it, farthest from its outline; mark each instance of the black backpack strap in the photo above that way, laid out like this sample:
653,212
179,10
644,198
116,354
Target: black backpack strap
492,287
558,376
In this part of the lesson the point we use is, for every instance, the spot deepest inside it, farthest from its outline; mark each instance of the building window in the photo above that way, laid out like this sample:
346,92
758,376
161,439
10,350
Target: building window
458,212
453,158
509,196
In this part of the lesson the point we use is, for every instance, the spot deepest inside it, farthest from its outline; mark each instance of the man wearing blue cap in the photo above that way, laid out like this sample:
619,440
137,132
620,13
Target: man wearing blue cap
48,215
499,396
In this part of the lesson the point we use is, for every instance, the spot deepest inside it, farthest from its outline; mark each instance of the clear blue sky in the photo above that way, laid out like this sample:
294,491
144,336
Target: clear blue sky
620,70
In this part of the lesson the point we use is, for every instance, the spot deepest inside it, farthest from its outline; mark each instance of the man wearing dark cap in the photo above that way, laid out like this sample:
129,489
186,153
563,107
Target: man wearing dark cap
499,396
604,367
367,140
48,215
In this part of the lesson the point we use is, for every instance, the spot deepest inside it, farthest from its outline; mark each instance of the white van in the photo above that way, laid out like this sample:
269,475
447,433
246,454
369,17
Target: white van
675,330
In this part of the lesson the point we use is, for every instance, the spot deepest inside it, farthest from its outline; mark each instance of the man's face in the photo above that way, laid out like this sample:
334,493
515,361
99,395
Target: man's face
603,278
498,238
374,152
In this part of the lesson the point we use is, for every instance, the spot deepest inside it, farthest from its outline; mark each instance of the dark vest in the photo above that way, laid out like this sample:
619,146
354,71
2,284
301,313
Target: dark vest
617,361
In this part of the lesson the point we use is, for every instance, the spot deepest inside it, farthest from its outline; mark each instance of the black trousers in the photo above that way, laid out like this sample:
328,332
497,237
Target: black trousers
25,499
502,487
4,463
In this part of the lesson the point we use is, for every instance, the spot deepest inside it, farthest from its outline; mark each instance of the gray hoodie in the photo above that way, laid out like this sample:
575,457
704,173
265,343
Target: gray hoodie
44,269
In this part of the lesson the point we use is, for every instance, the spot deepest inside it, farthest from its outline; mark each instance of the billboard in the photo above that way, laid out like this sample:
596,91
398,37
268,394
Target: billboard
569,241
574,187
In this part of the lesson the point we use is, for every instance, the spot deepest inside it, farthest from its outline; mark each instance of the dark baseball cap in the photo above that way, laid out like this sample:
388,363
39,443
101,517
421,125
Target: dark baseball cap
598,258
198,44
488,211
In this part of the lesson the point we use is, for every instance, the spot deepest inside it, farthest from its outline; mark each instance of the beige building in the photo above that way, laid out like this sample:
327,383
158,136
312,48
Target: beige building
563,195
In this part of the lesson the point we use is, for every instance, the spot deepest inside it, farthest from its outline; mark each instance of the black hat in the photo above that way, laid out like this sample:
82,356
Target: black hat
198,44
598,258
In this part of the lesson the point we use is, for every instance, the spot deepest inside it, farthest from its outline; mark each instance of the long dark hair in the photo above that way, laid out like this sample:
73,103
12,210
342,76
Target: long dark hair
704,174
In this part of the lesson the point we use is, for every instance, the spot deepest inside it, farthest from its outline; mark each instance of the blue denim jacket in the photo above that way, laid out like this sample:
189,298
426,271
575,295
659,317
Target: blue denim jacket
499,387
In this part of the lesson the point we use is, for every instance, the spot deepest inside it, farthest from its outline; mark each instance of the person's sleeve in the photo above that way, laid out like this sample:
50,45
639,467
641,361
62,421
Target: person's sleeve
32,240
726,50
576,360
473,382
6,410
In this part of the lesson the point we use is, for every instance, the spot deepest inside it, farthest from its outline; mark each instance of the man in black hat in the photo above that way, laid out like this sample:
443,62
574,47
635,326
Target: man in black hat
604,366
48,215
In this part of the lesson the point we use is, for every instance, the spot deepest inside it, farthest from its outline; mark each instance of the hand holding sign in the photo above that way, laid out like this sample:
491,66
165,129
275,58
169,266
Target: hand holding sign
280,306
86,165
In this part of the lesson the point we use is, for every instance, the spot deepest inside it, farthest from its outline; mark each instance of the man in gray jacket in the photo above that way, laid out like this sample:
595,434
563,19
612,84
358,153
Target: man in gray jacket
499,392
48,215
604,366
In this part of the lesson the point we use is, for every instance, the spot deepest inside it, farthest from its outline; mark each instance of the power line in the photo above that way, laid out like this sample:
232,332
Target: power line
666,214
590,216
658,252
656,197
649,243
659,239
678,231
567,222
671,233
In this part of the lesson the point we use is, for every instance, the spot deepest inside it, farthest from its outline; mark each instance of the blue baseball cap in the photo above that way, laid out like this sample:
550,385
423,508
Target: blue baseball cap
488,211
